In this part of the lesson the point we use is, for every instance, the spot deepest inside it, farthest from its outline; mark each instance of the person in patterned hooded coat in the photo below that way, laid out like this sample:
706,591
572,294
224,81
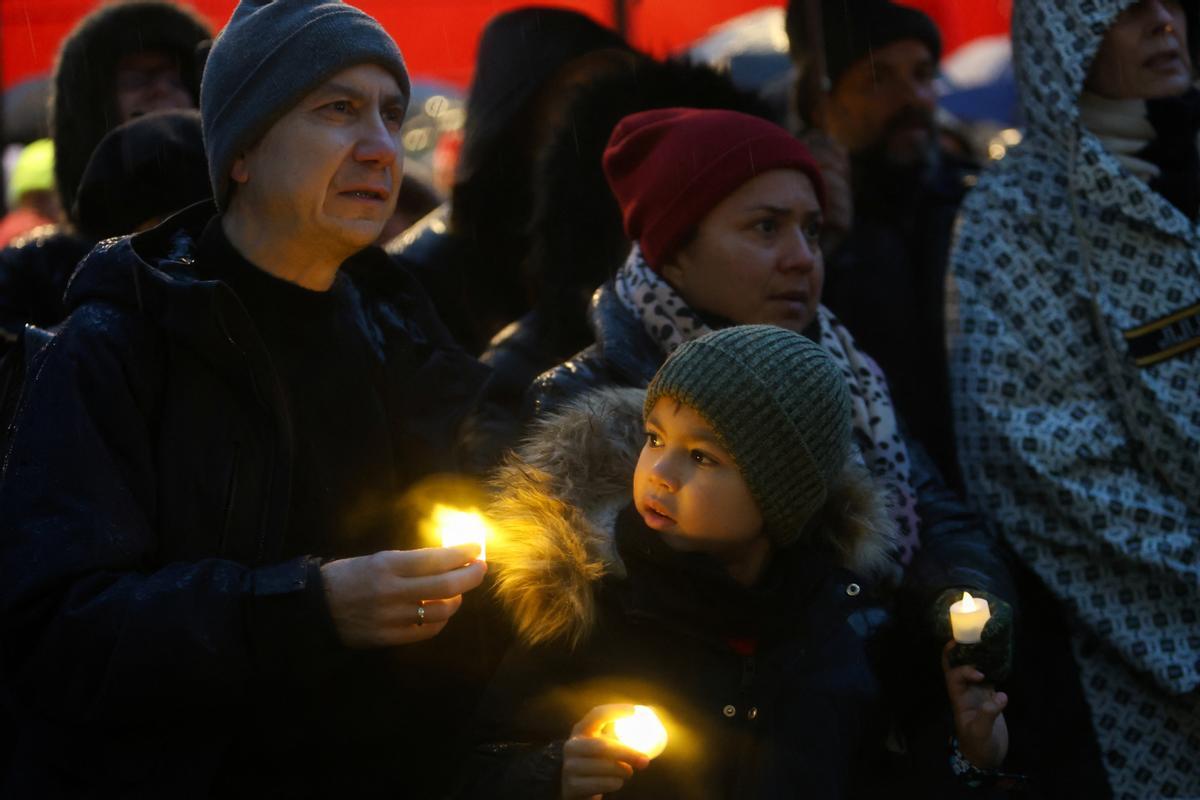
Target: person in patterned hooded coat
1075,364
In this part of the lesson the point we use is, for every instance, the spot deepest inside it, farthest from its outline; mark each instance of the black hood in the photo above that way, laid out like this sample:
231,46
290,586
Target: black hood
518,52
83,107
154,273
143,170
577,238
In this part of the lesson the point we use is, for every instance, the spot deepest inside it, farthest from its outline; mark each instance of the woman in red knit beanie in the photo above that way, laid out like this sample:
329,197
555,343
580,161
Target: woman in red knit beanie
758,192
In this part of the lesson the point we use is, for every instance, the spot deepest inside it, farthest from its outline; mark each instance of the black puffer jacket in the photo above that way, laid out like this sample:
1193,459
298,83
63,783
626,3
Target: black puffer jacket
161,635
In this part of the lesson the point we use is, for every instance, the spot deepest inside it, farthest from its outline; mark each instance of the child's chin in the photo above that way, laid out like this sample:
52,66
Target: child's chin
683,542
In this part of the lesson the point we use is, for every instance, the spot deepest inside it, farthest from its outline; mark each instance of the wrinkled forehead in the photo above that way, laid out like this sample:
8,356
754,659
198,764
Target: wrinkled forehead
363,82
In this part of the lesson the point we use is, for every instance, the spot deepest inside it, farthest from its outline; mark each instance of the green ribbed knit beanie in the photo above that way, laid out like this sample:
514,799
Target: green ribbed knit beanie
269,56
779,405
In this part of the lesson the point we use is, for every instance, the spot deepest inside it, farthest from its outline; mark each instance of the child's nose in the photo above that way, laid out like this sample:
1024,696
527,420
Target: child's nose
664,476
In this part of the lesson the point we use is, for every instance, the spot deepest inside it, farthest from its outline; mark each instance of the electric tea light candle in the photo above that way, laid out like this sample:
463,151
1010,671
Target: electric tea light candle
967,618
454,527
642,730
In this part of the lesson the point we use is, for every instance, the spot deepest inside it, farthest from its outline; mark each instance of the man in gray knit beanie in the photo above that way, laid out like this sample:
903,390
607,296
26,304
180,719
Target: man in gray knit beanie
270,55
209,520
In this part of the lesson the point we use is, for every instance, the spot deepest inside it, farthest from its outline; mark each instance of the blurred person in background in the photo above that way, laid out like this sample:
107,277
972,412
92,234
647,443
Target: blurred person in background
123,60
469,257
31,199
141,172
1075,362
894,193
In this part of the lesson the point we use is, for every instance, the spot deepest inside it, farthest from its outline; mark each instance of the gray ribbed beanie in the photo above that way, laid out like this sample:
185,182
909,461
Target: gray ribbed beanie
270,55
779,405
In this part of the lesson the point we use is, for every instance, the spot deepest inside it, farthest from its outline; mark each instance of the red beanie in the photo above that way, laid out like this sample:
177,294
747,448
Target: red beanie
669,167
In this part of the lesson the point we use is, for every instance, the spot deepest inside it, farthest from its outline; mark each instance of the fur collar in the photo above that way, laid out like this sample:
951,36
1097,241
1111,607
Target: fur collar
555,507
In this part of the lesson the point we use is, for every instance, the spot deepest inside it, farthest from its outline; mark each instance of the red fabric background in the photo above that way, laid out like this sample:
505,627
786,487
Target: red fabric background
438,37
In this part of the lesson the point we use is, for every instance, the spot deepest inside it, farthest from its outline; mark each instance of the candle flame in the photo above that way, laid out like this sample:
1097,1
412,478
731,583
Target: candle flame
642,730
455,526
968,603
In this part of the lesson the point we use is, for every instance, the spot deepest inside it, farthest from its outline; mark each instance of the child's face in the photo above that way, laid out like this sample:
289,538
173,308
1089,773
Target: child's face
688,488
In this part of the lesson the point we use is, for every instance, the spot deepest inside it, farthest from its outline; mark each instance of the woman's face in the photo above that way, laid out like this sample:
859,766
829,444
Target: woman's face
755,257
1144,54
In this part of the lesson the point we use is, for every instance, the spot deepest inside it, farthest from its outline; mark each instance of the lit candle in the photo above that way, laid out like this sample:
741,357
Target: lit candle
454,527
967,618
642,730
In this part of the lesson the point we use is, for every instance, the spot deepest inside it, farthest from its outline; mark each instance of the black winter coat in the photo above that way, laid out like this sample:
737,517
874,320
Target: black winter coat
791,712
160,635
33,276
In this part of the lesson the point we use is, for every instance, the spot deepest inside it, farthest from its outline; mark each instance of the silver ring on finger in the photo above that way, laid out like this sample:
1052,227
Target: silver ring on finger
420,612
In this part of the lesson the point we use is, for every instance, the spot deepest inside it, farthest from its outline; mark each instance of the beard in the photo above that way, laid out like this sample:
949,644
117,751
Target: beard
908,140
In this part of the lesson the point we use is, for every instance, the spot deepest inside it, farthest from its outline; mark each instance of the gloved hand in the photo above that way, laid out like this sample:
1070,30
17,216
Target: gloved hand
993,654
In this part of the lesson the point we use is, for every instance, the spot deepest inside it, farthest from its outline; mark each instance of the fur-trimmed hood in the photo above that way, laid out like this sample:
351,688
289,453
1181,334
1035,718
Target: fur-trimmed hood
84,107
556,501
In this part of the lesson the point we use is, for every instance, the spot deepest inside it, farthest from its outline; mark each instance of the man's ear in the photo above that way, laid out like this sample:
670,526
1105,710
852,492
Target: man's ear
239,172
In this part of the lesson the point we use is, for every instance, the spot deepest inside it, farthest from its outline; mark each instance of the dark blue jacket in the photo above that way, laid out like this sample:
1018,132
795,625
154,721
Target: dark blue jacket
160,635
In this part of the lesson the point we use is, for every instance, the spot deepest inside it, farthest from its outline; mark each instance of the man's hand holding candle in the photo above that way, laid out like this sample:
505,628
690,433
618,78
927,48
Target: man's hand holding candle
399,596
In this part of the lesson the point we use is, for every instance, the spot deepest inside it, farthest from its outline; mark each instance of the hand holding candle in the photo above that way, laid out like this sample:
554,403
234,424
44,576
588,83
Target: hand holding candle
967,618
607,746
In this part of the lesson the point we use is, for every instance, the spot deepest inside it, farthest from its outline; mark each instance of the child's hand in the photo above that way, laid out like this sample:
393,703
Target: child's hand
593,764
978,714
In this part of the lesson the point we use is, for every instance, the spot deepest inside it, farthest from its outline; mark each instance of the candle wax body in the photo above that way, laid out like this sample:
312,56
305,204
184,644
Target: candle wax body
968,625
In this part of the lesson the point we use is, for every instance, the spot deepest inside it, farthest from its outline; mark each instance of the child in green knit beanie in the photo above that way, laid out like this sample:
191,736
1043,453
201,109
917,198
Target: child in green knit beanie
723,595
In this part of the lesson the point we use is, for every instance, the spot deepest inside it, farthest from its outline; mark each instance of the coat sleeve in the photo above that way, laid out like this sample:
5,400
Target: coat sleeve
956,549
94,628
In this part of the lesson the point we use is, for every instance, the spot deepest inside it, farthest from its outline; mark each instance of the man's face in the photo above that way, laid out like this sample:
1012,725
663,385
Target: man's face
328,171
149,81
885,101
